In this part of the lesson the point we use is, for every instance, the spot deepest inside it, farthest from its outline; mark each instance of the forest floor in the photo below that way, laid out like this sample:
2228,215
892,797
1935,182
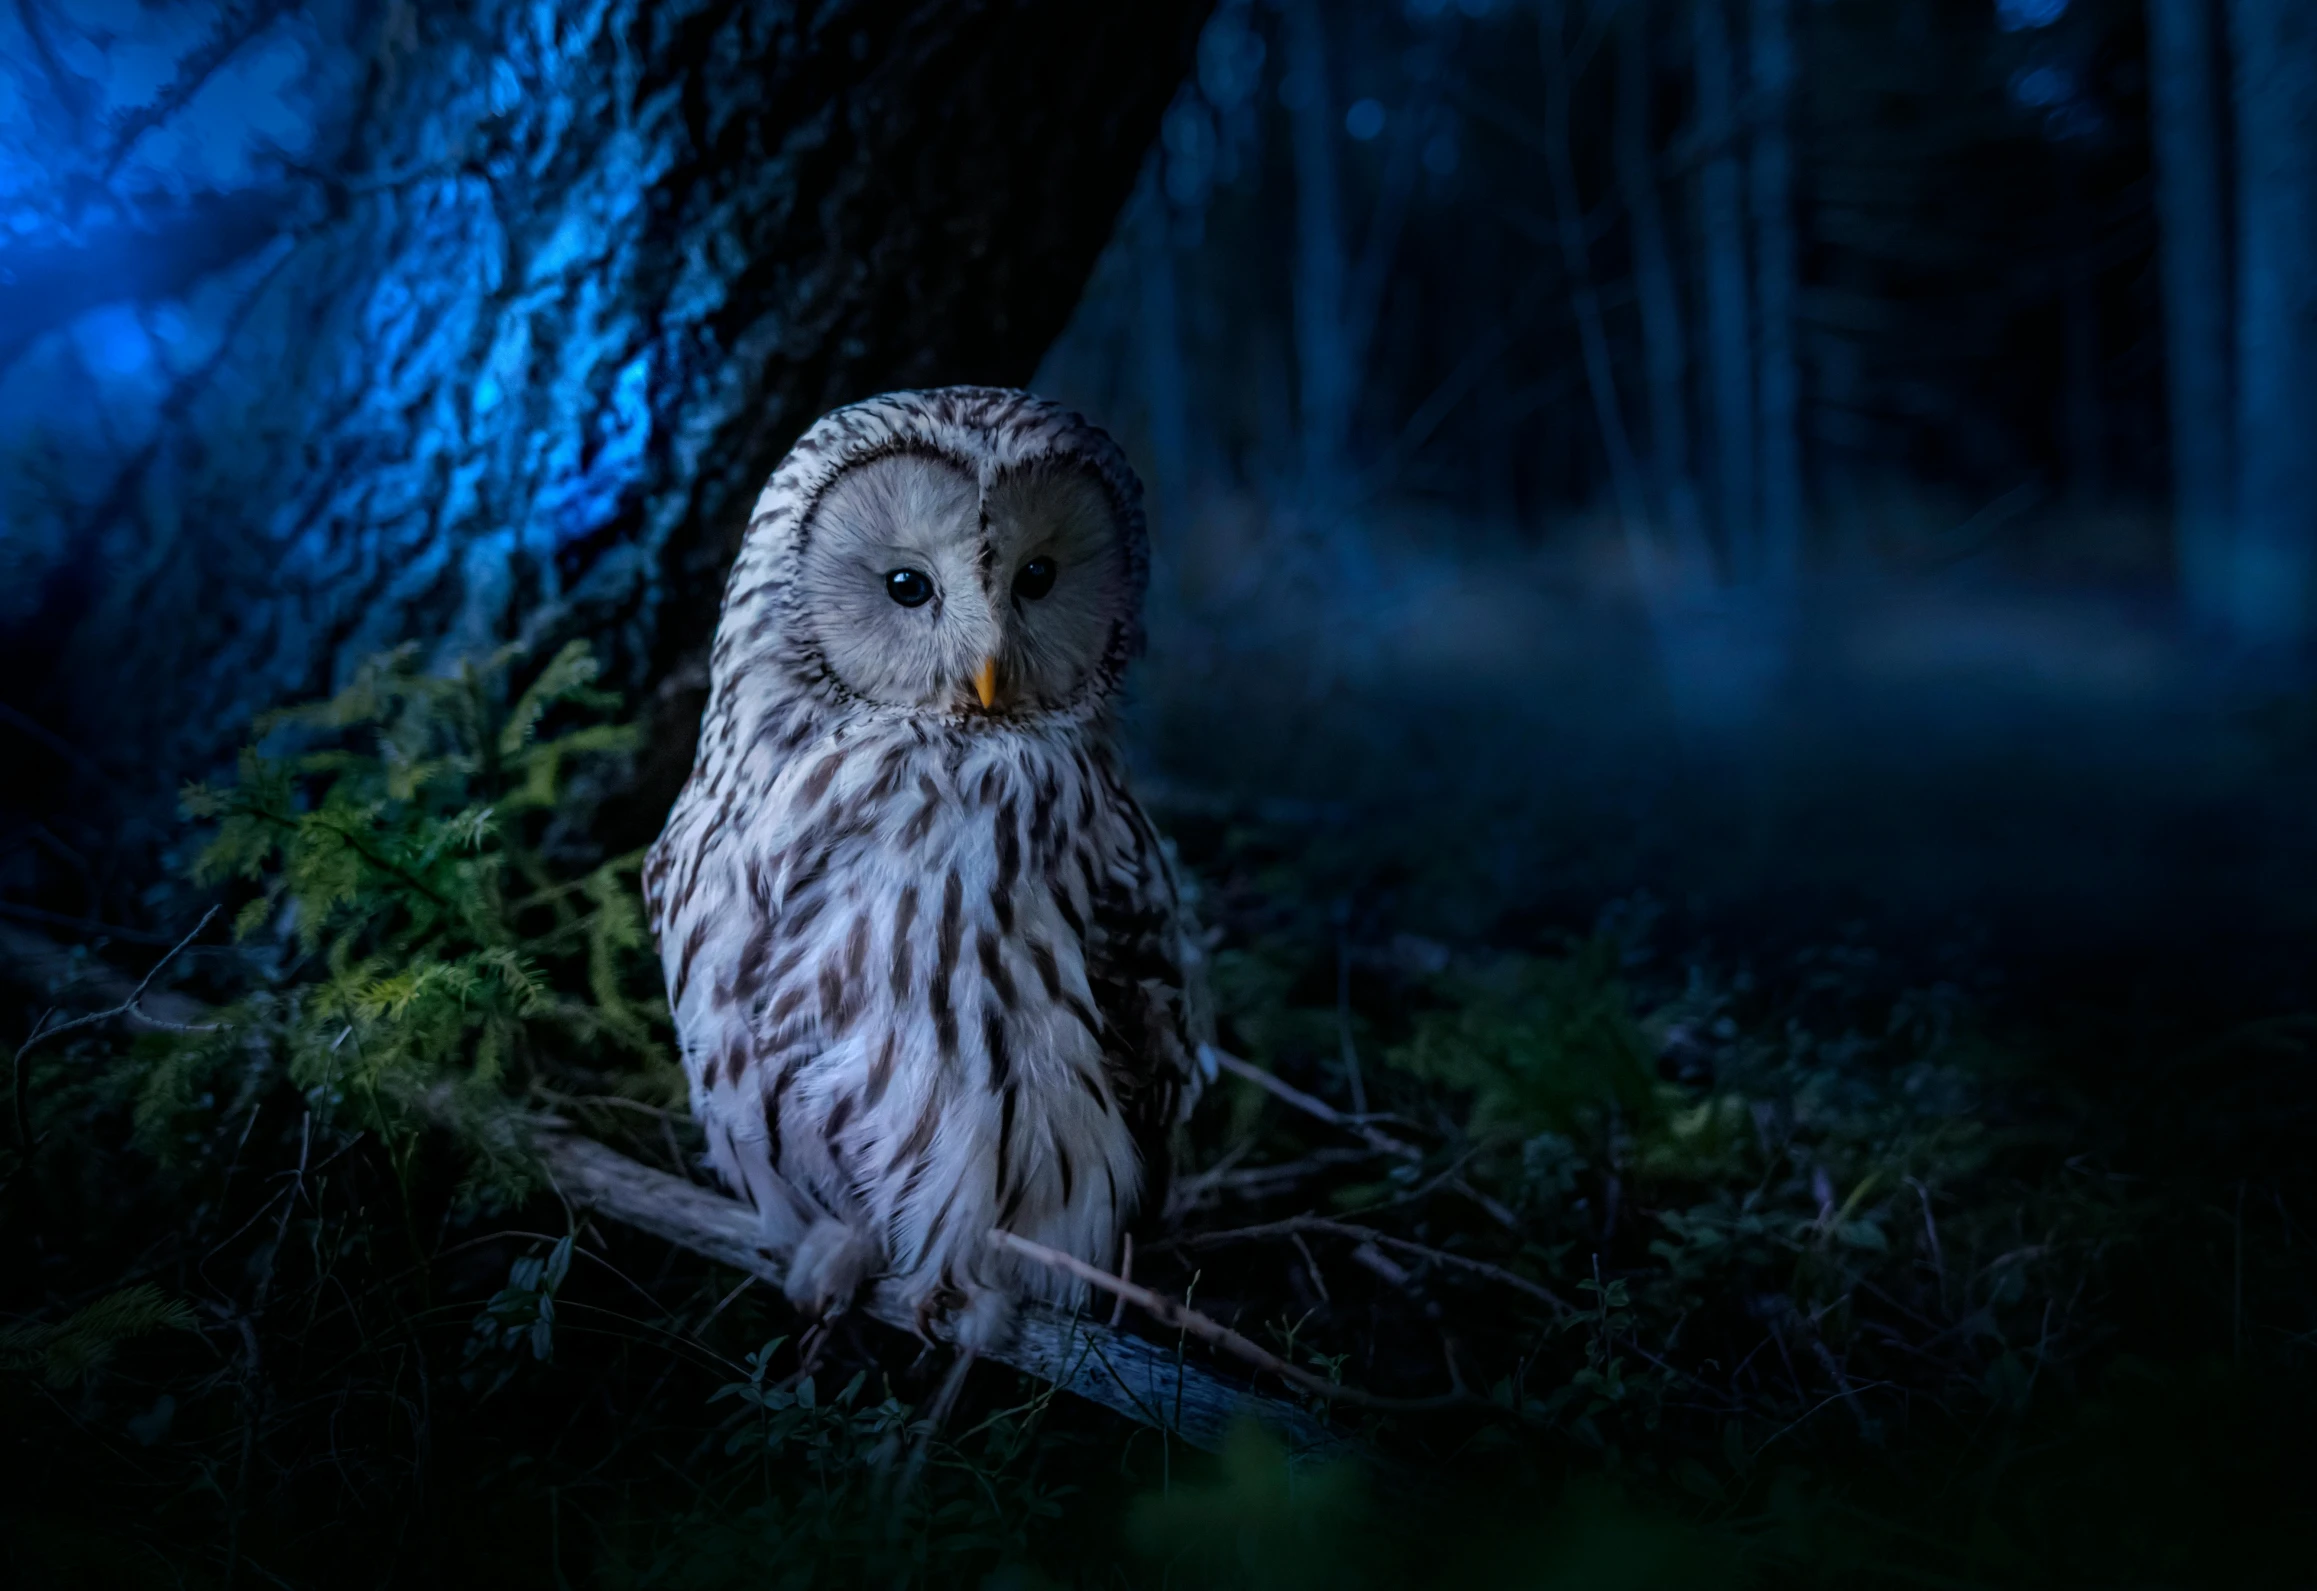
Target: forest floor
1866,1151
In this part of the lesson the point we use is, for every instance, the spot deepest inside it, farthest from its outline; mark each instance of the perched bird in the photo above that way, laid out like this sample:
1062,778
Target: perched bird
929,961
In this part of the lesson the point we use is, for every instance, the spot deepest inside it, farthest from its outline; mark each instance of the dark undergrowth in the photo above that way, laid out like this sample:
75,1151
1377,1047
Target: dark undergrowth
1807,1265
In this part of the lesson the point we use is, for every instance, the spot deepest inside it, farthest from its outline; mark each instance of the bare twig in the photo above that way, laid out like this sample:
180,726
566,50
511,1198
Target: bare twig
1209,1330
34,730
82,925
1495,1208
1847,1393
1125,1273
1255,1182
929,1425
41,1030
611,1102
1931,1231
1343,1014
1310,1266
1310,1106
1295,1225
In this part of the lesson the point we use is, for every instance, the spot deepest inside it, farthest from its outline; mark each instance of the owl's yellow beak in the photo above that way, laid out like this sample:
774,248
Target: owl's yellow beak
985,683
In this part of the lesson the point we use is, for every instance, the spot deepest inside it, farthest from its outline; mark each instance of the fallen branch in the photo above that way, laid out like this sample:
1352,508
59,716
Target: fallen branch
1138,1379
1207,1329
1288,1093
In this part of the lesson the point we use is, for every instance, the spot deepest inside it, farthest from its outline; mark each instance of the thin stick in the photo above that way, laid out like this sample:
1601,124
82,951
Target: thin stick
1382,1141
929,1425
1125,1274
1362,1234
1255,1182
41,1030
1343,1014
1207,1329
1311,1266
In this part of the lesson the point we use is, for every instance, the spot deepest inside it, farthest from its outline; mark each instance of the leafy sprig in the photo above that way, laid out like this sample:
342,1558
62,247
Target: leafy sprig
436,954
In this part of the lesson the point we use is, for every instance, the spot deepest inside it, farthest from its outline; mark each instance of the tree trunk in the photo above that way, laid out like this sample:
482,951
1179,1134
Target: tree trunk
1664,337
1166,396
1568,211
2191,204
1777,282
2083,361
2275,556
515,357
1323,362
1729,339
1166,384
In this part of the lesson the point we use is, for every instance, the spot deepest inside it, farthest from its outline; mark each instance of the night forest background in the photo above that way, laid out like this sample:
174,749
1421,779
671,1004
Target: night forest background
1730,657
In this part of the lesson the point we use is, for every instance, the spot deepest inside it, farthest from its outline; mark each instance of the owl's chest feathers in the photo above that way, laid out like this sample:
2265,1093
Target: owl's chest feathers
893,985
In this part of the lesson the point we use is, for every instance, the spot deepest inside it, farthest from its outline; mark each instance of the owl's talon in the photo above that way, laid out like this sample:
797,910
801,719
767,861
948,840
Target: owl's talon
973,1317
828,1268
983,1320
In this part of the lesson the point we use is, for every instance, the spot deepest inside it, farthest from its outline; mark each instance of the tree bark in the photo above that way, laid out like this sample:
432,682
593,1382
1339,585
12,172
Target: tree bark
517,359
2275,556
2191,205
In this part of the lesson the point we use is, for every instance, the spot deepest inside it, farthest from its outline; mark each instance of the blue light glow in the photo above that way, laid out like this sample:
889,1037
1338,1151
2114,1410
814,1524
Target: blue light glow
2018,16
2042,85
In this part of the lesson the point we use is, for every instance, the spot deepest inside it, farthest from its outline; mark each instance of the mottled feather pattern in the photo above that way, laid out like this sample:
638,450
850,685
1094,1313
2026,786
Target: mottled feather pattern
931,969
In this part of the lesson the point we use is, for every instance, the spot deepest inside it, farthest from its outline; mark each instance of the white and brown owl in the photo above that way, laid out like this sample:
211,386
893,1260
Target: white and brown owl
929,963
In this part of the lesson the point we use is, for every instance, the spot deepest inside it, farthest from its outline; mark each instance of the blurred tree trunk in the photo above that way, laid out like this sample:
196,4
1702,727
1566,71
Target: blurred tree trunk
2084,409
2275,556
1778,286
518,360
1323,365
1165,383
2192,211
1729,338
1568,212
1664,337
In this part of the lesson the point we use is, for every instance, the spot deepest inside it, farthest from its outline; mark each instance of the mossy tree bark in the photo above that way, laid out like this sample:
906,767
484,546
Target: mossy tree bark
516,355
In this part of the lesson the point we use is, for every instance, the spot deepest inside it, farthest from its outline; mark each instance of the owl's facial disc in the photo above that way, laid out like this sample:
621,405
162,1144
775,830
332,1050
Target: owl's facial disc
924,594
1059,572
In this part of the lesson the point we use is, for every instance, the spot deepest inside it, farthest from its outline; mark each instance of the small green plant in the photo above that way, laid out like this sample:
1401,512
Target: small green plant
65,1352
1536,1043
440,937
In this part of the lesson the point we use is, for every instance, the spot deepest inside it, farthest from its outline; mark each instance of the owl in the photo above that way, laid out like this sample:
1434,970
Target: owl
930,964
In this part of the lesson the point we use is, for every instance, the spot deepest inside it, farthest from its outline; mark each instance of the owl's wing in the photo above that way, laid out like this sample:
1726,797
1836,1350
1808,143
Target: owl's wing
1146,962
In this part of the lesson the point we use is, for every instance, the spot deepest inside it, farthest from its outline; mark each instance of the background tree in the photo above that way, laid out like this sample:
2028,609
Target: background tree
2184,59
2275,557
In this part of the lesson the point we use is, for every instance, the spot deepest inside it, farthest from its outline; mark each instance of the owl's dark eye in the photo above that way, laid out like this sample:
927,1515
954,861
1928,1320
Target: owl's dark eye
912,588
1035,580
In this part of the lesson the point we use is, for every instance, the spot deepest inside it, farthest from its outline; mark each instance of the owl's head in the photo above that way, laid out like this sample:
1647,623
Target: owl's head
959,551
